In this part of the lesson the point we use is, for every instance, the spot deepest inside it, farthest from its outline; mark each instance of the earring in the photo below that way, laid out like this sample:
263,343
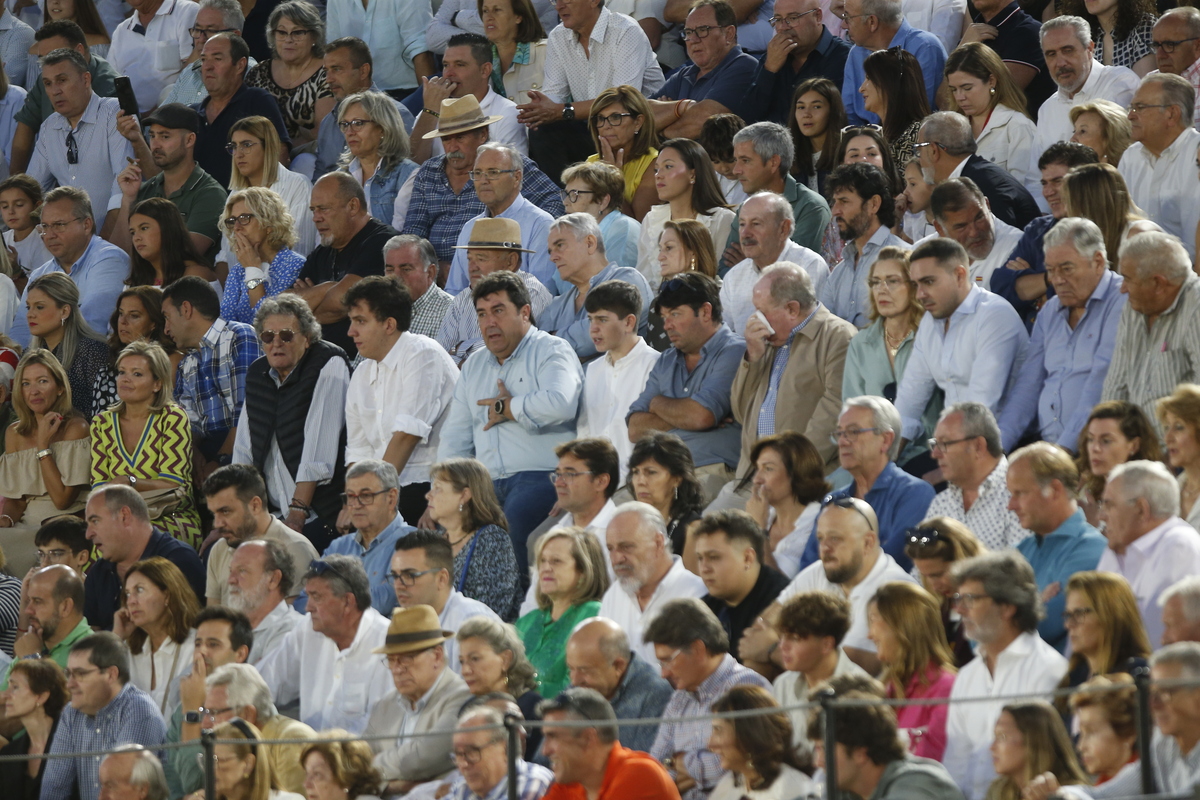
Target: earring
676,492
635,133
693,180
460,508
693,264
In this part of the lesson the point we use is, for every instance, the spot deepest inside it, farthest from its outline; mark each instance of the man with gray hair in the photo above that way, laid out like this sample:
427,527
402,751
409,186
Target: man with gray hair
131,772
947,149
213,16
1158,341
498,173
1000,607
327,662
1176,40
413,261
879,25
577,251
962,213
1148,543
480,751
648,574
1159,166
261,577
1181,611
1072,342
765,224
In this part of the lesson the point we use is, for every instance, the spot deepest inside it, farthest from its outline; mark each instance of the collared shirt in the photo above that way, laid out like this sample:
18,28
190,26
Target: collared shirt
620,234
718,220
1149,362
459,333
211,386
188,87
103,587
846,292
423,757
331,143
1192,76
924,46
1064,369
564,320
130,717
99,273
1175,773
975,357
771,92
810,218
429,311
247,101
58,654
532,782
766,412
1165,187
1006,141
1027,665
298,547
101,153
38,108
384,400
618,53
942,18
201,201
535,233
439,214
1074,546
15,40
691,738
792,689
725,83
622,606
608,391
336,688
641,693
505,130
10,104
152,56
1152,563
989,517
274,628
376,559
1006,240
382,188
458,609
393,29
737,289
708,384
545,379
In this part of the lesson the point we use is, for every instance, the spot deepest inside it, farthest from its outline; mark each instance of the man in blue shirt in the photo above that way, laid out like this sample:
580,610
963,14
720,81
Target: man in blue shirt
883,28
1043,481
802,48
1073,339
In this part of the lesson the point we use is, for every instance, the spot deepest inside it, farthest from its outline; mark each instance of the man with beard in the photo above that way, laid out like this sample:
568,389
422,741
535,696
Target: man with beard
962,213
648,574
865,213
261,576
54,606
237,497
998,600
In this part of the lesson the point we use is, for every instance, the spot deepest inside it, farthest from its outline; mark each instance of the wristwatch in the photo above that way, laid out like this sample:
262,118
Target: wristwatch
498,407
191,717
132,480
569,110
254,283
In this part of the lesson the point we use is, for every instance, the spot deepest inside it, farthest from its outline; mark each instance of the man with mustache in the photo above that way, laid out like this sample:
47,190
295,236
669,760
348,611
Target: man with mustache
962,213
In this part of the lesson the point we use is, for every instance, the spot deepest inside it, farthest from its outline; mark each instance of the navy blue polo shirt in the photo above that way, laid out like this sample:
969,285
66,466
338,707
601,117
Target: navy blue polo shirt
726,83
102,588
1031,248
211,138
1019,41
770,93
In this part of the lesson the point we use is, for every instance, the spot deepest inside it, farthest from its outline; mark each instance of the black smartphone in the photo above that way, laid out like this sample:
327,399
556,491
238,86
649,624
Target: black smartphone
125,95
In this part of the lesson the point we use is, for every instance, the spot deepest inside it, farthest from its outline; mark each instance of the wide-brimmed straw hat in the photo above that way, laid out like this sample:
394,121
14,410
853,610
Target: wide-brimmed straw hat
459,115
411,629
495,233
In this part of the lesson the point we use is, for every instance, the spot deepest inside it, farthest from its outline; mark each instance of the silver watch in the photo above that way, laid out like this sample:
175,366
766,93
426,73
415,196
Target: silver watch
254,283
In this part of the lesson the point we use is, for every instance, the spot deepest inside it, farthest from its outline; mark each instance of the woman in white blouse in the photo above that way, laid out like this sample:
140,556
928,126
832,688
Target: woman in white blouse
155,620
982,89
756,751
687,186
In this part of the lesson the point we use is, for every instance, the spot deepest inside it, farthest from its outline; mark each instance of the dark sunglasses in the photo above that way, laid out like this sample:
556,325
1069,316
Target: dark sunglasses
848,502
286,336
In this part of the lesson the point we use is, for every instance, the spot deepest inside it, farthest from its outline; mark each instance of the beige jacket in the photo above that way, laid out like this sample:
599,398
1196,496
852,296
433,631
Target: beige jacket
285,758
418,758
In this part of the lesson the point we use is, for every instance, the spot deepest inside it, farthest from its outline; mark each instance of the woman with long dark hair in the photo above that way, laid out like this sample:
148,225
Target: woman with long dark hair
1031,740
894,88
818,116
1116,431
1123,30
162,249
138,316
756,751
662,474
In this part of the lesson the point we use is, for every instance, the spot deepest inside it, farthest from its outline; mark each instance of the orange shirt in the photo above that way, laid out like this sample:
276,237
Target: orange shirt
630,775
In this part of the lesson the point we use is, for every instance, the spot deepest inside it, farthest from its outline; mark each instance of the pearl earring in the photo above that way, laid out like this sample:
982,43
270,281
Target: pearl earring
992,90
460,508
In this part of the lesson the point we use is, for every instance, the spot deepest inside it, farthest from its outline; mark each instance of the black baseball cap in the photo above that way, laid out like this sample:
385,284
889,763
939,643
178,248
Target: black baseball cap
176,116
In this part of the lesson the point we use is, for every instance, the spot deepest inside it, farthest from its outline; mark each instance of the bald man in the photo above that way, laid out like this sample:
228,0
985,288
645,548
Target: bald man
599,657
53,604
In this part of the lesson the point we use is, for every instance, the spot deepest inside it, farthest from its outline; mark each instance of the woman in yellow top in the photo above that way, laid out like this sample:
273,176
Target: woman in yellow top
622,128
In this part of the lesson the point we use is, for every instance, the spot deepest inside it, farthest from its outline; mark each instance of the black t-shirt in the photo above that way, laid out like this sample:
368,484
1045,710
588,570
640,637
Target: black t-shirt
1019,41
362,256
735,619
212,137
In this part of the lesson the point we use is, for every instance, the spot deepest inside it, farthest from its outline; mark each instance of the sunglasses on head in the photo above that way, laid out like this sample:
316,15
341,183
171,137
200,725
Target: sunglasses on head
848,502
286,336
923,537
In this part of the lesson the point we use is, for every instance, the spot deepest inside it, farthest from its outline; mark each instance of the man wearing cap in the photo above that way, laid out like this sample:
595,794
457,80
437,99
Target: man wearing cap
199,198
443,193
493,245
427,698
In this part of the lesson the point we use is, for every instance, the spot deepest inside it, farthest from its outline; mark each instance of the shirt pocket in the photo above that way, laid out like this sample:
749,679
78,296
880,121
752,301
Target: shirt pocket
354,697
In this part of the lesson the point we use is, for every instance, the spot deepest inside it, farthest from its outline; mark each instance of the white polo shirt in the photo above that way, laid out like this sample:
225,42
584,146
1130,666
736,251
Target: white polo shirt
623,608
154,58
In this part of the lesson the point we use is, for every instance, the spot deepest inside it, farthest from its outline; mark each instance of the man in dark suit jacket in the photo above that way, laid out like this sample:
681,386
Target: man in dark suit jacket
947,150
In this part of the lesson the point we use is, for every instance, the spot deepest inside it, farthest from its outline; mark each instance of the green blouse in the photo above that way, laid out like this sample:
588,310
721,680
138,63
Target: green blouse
546,643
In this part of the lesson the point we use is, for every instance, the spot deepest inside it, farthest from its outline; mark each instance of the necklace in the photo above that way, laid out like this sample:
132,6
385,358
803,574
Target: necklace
893,345
462,539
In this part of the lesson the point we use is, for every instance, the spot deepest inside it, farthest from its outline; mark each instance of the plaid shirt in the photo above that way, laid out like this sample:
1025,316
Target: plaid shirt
532,782
766,413
429,310
212,378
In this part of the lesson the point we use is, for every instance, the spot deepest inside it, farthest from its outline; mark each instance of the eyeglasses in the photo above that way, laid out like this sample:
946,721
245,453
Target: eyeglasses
848,502
361,499
56,227
293,36
471,755
891,284
357,124
923,537
612,120
245,144
72,148
240,219
403,659
408,577
491,174
1077,616
844,17
42,555
851,434
1140,107
205,33
919,145
79,674
286,336
566,476
699,32
967,600
858,130
213,713
791,19
665,663
1169,45
572,195
939,446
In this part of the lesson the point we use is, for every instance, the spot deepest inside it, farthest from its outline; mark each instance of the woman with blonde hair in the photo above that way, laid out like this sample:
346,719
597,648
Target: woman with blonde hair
155,620
756,751
598,188
145,442
1098,192
1104,626
1116,431
1179,415
262,232
1103,126
491,660
572,576
935,546
462,502
1106,710
377,149
622,127
57,324
903,620
240,773
685,245
138,315
339,770
1030,741
46,456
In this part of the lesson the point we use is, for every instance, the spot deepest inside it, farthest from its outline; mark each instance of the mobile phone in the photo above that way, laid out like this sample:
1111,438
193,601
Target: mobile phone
125,95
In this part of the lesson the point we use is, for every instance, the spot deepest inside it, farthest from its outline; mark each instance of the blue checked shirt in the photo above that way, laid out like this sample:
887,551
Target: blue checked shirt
212,379
766,413
532,782
130,717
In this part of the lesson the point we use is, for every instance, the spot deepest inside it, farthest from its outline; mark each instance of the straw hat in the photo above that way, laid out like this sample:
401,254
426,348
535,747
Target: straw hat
459,115
495,233
411,629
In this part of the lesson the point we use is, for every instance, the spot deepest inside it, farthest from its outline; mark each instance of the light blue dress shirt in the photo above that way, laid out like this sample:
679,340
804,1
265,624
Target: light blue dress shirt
620,234
845,291
393,29
12,102
99,273
1075,546
535,234
564,321
930,54
377,560
545,379
1064,370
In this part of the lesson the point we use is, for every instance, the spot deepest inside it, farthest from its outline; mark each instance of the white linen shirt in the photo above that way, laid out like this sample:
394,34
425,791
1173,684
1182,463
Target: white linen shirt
505,131
387,397
1152,563
1165,187
943,18
393,29
812,579
1027,665
623,608
737,289
1007,238
336,688
609,389
458,609
164,667
271,631
1007,141
618,53
154,59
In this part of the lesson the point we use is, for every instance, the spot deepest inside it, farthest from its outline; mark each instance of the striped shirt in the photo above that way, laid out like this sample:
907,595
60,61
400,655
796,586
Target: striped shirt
212,378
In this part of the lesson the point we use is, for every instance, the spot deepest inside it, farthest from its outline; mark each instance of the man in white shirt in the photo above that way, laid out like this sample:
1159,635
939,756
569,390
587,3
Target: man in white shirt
423,575
261,576
389,416
962,213
765,225
1000,607
969,344
1148,544
1159,167
1181,611
328,662
648,575
151,46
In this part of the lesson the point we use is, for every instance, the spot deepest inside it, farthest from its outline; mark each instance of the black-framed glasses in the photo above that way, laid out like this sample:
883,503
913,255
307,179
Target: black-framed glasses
245,144
286,336
572,195
79,674
936,445
196,33
612,120
72,148
1076,616
240,219
470,755
294,36
791,19
699,32
357,124
491,174
407,577
848,502
360,499
923,536
1169,45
